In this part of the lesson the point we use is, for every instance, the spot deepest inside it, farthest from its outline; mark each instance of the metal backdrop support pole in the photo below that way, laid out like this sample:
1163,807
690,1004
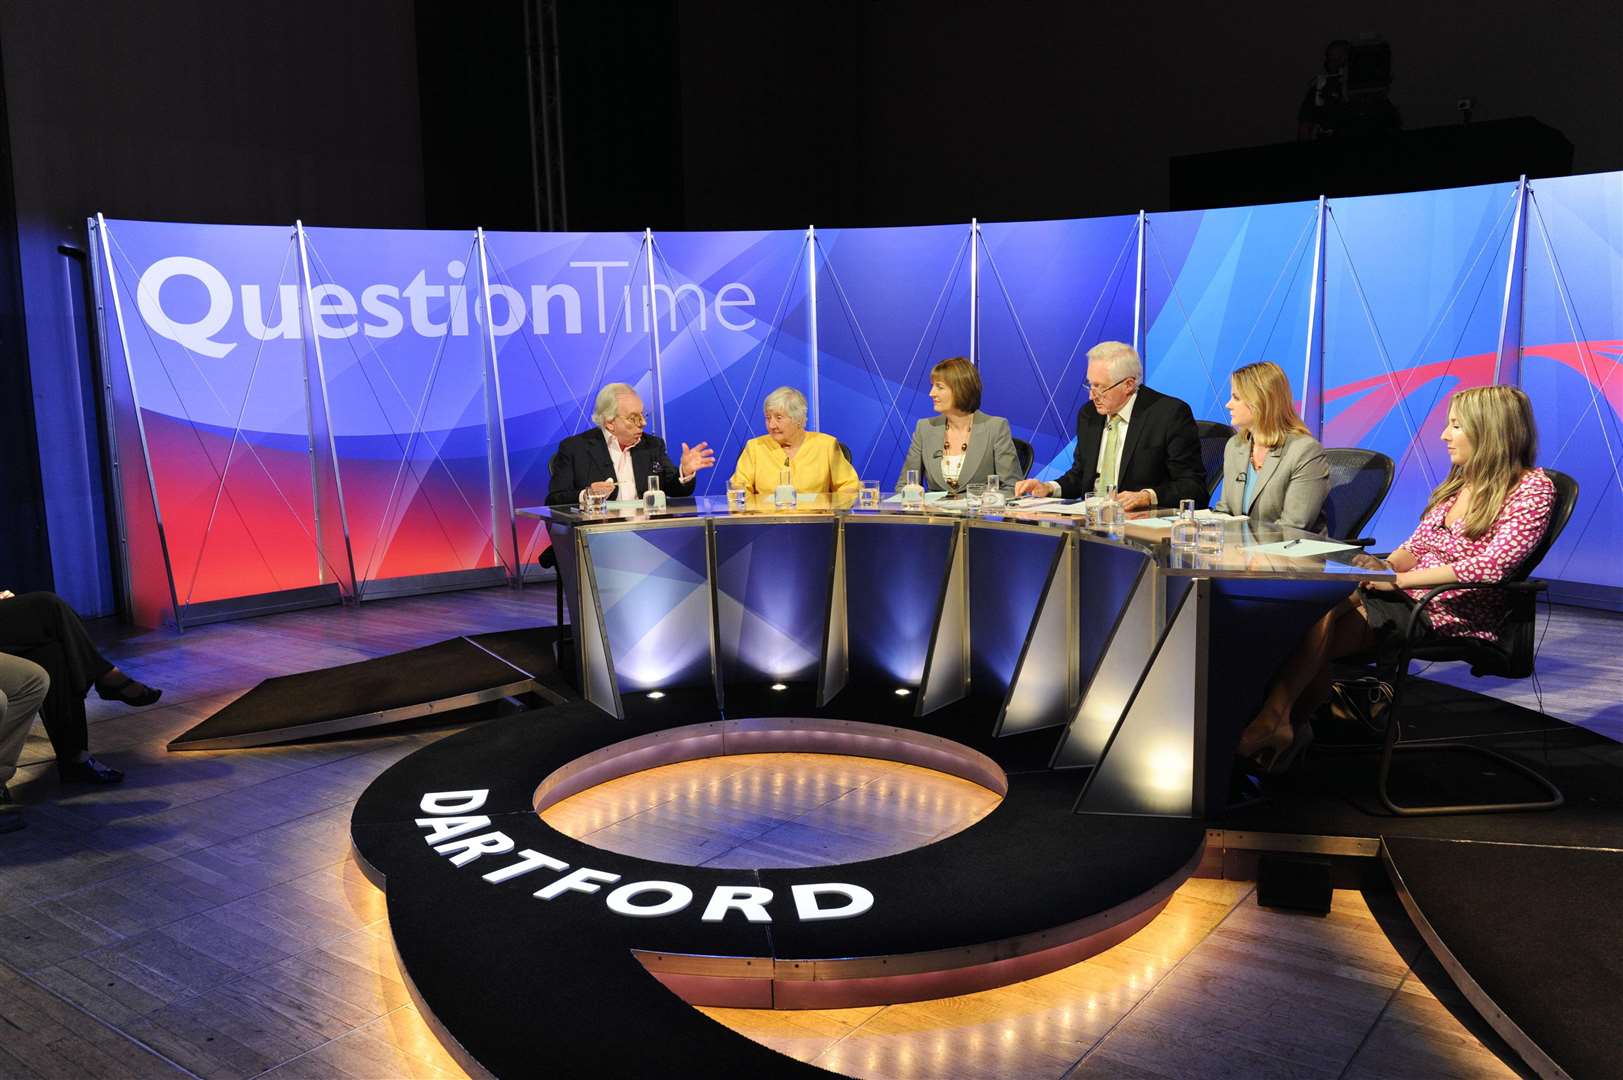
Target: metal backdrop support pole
326,483
1138,288
811,326
974,291
1312,401
1507,363
503,521
653,330
145,606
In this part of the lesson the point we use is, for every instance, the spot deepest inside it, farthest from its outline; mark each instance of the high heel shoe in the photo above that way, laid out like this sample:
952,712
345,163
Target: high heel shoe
129,692
1282,748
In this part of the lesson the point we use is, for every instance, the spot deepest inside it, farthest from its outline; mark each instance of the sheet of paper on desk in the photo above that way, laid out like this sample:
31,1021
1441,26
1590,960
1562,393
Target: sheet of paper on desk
1301,548
929,496
1075,509
1026,501
1218,515
624,504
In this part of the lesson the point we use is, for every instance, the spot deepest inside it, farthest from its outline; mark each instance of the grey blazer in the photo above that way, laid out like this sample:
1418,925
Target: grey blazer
1291,485
991,450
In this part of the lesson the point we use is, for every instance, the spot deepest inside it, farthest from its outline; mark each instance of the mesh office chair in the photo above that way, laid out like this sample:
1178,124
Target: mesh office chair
1023,451
1359,481
1213,438
1510,656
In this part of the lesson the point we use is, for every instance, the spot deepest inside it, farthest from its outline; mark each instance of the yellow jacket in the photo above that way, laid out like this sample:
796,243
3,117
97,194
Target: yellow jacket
818,466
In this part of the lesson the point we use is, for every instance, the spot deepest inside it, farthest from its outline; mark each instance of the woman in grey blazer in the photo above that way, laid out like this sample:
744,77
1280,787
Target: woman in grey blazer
960,445
1273,469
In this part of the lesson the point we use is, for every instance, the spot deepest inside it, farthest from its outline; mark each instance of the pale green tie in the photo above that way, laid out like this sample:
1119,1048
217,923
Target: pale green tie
1107,462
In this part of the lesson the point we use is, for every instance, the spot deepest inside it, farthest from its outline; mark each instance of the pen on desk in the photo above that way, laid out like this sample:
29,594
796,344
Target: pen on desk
1293,543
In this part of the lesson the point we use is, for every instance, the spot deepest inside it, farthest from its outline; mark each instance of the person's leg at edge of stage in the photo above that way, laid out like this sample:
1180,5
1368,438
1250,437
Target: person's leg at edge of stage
23,686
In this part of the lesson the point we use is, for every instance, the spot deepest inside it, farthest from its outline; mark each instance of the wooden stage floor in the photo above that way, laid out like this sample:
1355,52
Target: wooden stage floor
204,918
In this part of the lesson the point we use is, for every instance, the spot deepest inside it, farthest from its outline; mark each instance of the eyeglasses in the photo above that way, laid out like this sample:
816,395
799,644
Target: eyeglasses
1095,391
636,418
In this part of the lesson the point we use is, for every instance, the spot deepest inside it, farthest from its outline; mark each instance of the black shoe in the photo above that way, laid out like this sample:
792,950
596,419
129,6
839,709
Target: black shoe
88,771
129,692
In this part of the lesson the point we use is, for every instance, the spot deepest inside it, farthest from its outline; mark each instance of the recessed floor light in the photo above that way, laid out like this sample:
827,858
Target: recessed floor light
902,691
780,686
655,695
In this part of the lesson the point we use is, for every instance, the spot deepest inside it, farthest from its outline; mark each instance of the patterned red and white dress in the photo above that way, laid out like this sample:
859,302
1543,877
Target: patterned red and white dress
1495,555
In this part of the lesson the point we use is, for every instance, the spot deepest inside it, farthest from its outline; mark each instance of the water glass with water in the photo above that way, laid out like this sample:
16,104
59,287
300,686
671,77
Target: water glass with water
1185,531
653,499
1210,536
784,496
738,496
992,497
974,494
912,490
868,495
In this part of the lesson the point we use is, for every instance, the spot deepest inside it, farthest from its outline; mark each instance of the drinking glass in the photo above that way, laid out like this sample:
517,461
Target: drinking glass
1210,536
912,491
784,496
1185,532
992,496
737,495
868,496
973,496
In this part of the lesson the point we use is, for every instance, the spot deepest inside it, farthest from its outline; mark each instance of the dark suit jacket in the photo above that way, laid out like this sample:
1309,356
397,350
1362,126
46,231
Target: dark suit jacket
583,459
1162,451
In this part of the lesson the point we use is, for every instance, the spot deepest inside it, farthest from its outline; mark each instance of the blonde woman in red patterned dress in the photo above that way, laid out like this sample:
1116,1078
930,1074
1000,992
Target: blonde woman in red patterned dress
1481,522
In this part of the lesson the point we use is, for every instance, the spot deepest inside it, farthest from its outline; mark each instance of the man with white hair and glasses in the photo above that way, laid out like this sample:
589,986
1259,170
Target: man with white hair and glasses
1128,436
617,457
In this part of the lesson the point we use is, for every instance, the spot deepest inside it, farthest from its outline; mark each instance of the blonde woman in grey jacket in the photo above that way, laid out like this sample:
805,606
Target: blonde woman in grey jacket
1273,469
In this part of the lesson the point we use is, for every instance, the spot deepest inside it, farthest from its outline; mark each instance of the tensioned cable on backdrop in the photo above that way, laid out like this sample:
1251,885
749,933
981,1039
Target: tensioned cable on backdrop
1112,285
871,360
236,432
1453,300
192,426
1293,263
386,526
420,478
1025,344
1591,375
1380,347
703,347
1183,312
601,365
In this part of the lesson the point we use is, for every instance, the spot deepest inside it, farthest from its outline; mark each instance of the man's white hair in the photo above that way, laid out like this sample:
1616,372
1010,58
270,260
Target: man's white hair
788,400
1122,358
608,402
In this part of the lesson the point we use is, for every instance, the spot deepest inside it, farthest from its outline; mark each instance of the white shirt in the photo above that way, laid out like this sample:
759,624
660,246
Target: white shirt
1124,417
623,473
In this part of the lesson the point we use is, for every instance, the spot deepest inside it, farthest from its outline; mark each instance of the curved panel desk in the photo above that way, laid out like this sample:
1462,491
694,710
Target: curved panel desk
1150,660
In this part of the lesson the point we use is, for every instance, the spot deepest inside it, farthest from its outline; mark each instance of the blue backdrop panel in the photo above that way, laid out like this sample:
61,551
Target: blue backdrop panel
1572,355
1049,292
733,311
1223,288
212,320
894,574
890,303
772,596
569,315
1413,292
1007,574
655,594
405,378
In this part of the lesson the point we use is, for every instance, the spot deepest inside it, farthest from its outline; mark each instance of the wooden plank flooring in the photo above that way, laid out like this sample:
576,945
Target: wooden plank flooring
204,918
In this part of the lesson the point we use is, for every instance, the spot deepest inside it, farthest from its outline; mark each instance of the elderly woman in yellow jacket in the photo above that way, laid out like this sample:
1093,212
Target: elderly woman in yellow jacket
814,459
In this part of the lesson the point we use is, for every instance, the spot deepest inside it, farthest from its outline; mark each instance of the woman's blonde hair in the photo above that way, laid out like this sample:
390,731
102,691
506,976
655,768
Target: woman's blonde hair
1267,393
1504,442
